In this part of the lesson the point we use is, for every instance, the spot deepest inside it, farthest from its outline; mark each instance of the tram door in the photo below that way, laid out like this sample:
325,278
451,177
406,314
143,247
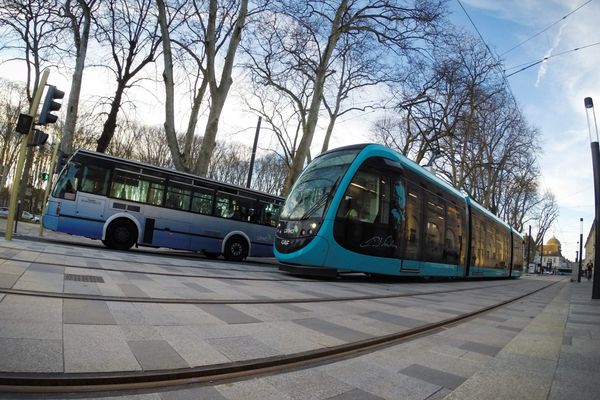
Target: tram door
371,217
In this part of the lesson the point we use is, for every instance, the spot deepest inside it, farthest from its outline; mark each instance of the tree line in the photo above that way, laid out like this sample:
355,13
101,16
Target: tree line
302,66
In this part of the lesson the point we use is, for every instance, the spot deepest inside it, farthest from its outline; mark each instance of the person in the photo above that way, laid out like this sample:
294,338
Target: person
589,268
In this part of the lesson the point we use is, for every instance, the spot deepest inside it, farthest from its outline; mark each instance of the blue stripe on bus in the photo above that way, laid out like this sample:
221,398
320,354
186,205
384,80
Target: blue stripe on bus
89,231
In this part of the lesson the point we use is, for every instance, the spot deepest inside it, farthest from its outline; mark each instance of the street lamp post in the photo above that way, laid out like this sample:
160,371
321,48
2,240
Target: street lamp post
580,248
593,131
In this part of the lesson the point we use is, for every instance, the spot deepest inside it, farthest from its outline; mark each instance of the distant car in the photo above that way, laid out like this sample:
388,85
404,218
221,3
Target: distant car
27,216
4,212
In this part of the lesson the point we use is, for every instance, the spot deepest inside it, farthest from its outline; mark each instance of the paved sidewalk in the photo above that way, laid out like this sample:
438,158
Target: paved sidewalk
557,356
546,346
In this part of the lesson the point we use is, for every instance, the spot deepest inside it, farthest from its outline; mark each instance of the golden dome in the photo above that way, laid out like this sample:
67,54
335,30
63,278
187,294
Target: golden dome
553,242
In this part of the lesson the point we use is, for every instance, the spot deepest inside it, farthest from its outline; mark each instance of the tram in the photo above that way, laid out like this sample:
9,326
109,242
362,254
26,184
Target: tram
366,208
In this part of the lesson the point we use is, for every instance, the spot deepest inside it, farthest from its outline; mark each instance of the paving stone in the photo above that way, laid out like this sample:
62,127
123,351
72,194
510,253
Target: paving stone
480,348
434,376
87,312
29,308
197,393
242,348
254,389
308,385
355,394
131,290
197,287
156,354
97,348
379,380
8,280
331,329
395,319
227,313
187,342
30,355
30,330
81,287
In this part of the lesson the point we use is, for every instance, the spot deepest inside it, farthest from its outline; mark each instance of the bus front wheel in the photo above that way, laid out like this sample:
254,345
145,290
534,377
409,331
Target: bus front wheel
121,234
236,249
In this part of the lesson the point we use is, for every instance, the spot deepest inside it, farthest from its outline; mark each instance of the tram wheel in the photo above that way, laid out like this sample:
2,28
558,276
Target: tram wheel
236,249
121,234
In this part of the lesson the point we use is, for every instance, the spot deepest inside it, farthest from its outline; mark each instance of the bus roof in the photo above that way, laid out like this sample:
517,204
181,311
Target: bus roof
171,171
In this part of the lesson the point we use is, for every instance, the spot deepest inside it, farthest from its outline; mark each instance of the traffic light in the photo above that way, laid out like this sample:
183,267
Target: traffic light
24,124
39,138
50,105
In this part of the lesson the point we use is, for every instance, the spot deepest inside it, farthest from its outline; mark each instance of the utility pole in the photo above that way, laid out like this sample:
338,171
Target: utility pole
253,153
14,191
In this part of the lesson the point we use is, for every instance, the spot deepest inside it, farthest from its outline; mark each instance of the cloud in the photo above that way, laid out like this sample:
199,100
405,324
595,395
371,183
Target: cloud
544,65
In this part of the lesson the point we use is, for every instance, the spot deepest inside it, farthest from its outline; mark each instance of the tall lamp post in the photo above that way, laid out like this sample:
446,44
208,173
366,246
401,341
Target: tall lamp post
580,248
593,131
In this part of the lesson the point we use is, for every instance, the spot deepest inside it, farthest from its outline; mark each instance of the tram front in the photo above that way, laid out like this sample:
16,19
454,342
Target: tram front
302,236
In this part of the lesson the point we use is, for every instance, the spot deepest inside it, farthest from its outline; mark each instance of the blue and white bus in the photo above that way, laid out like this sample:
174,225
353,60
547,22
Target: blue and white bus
123,203
369,209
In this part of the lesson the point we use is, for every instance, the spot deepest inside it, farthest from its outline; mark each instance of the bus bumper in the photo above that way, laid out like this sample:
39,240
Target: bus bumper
50,222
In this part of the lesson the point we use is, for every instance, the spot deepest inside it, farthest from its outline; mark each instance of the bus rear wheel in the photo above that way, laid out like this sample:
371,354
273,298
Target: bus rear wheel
121,234
236,249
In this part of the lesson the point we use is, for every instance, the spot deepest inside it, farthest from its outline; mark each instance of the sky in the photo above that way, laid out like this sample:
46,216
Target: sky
550,94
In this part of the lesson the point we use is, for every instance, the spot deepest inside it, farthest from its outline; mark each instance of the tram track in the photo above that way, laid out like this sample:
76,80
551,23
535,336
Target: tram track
165,300
32,384
177,254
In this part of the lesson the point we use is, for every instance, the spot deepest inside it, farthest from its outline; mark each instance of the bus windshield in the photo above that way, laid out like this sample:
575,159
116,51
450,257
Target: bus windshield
312,191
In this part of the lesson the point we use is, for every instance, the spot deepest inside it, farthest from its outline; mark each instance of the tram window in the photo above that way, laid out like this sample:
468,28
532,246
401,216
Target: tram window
435,226
364,216
453,243
95,180
413,222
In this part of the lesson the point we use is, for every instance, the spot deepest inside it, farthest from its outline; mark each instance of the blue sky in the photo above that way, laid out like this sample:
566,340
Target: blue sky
551,94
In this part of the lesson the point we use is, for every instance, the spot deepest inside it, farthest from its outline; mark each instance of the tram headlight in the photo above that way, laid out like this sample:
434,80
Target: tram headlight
297,229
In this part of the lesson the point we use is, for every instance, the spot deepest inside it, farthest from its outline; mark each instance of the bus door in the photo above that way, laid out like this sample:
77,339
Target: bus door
91,198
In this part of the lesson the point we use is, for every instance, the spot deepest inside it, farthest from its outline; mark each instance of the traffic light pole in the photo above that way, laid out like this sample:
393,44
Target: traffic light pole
55,150
14,192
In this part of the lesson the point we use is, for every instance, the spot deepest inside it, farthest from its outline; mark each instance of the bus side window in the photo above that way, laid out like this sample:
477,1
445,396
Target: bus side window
95,180
202,201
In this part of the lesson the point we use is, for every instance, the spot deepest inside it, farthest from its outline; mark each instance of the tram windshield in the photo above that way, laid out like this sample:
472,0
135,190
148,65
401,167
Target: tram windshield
313,190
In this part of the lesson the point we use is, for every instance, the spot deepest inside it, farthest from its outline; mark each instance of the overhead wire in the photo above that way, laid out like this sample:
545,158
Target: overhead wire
546,28
534,63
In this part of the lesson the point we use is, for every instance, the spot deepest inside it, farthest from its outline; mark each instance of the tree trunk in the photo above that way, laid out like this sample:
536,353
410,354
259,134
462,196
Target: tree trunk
178,159
110,125
73,103
313,111
218,93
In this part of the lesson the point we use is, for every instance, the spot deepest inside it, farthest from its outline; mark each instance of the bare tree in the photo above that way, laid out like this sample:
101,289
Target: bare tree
130,30
310,44
200,33
80,20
